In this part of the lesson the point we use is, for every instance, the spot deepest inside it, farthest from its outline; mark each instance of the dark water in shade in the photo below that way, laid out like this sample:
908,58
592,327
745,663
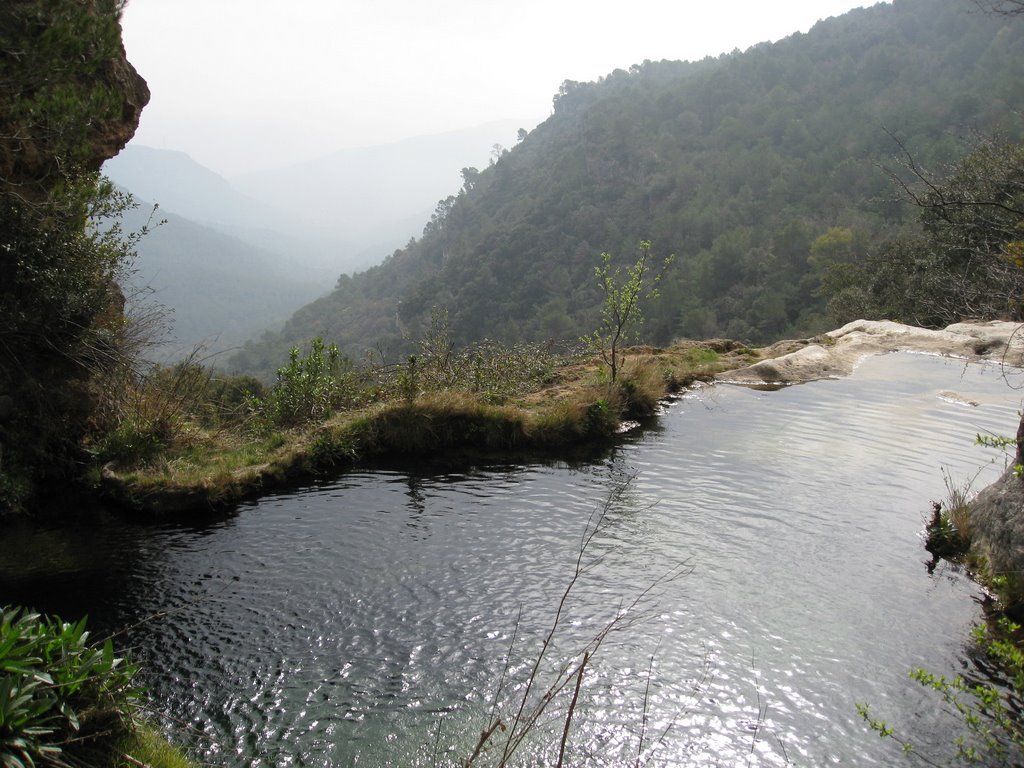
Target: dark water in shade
366,621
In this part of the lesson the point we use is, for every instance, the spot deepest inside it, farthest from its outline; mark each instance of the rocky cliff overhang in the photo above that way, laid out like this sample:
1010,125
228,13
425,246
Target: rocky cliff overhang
32,162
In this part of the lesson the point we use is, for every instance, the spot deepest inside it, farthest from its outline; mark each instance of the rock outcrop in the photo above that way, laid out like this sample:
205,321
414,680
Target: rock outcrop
30,164
997,532
69,100
838,352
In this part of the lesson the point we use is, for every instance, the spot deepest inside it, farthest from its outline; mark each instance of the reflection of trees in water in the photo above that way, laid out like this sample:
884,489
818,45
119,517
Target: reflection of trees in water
426,488
417,505
71,571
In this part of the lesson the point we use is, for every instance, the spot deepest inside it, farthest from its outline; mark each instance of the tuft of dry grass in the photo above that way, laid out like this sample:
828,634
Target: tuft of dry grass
949,532
957,508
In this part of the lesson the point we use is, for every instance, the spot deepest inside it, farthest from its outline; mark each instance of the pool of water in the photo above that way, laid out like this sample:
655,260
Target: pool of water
379,618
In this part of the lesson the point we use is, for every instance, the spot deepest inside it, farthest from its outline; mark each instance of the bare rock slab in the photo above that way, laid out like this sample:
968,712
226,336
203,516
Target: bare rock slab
838,352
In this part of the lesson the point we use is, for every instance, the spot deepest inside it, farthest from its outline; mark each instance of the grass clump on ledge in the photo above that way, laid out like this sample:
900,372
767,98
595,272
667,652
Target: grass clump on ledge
948,533
206,440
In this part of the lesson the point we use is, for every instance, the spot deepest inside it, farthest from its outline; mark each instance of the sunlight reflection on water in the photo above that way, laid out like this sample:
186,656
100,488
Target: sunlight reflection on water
341,623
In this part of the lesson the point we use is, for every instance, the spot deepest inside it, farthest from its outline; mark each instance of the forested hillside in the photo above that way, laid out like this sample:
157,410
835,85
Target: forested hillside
758,169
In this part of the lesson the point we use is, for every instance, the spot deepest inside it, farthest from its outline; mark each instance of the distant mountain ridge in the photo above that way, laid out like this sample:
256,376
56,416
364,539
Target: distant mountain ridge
182,186
757,169
230,265
369,194
221,291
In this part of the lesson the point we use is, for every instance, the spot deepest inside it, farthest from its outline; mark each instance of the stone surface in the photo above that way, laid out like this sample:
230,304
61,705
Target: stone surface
838,352
110,137
997,526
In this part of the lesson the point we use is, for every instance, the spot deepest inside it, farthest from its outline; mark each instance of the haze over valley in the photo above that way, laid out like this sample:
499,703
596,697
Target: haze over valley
233,258
760,170
236,153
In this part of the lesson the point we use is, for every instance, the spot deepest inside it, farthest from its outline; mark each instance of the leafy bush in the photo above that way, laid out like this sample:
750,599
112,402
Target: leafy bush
328,450
61,699
601,419
310,387
621,312
992,731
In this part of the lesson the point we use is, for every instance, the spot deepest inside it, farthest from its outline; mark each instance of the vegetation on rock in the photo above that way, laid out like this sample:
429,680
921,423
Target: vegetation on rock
68,99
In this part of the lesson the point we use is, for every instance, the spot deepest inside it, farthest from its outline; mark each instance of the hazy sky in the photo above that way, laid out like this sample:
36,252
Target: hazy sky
249,84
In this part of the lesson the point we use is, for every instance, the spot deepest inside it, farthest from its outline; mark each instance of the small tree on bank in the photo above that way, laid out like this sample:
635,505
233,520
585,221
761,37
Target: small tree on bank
621,311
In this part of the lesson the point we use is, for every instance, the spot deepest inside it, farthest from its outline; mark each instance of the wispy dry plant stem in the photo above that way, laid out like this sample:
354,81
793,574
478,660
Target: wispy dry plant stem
646,711
594,524
572,708
531,703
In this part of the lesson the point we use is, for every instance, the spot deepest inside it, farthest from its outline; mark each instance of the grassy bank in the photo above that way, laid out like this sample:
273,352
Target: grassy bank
418,413
146,746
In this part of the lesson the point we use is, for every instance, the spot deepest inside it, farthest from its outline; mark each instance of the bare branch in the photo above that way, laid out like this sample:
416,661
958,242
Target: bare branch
572,708
1001,7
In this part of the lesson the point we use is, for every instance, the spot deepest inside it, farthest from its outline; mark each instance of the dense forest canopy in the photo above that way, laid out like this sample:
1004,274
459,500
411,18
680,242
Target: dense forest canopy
966,259
759,170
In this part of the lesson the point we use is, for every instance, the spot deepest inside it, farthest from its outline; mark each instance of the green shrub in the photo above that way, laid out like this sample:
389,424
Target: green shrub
61,699
329,450
309,388
601,419
621,310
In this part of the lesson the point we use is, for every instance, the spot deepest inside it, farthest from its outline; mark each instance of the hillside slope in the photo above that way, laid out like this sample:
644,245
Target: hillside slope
757,169
221,291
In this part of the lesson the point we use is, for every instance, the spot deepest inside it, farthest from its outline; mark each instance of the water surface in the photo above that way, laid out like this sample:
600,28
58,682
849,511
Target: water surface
366,621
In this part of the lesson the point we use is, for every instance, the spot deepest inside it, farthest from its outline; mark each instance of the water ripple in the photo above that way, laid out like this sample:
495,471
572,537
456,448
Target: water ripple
341,623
